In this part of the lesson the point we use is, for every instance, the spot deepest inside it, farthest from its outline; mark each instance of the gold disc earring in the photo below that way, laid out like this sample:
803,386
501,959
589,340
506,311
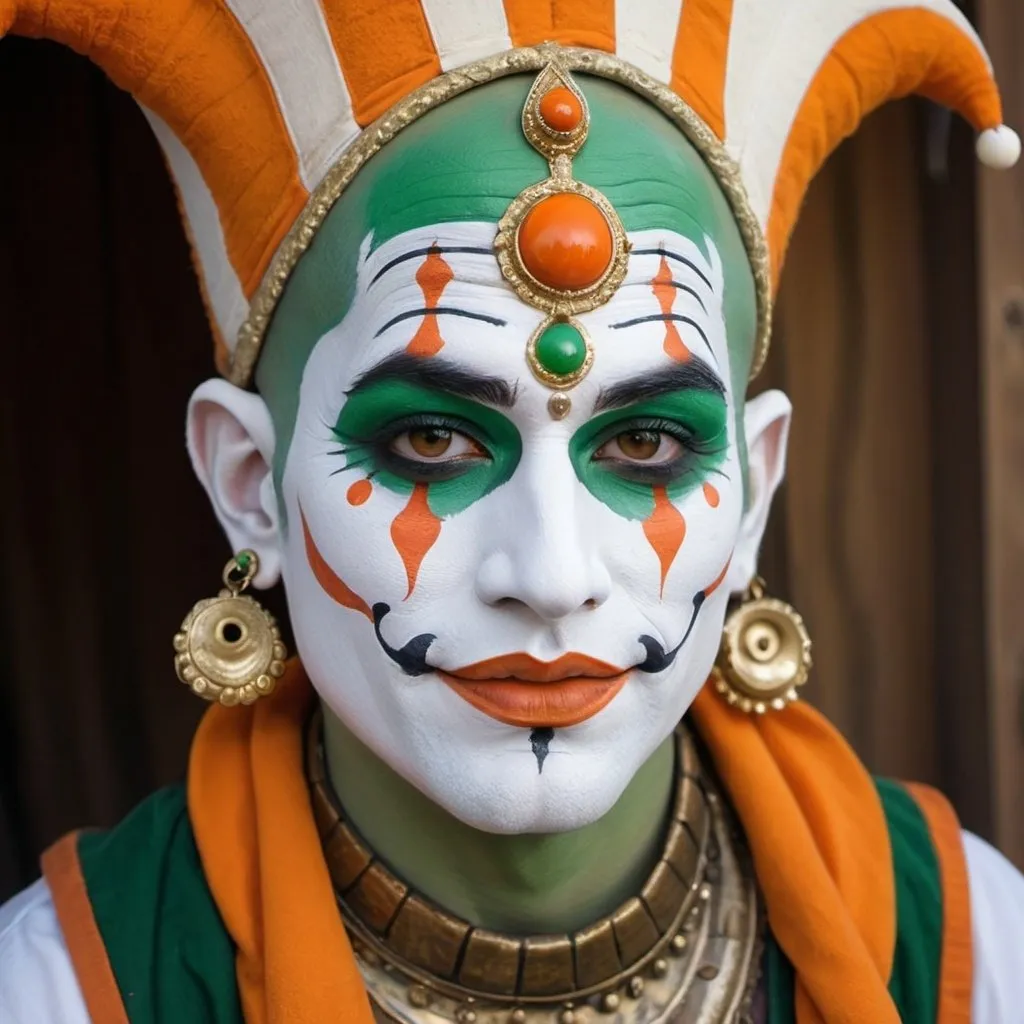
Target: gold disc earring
765,653
229,648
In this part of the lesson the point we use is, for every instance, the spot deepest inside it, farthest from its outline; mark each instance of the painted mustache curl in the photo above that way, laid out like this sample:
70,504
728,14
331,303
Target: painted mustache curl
519,690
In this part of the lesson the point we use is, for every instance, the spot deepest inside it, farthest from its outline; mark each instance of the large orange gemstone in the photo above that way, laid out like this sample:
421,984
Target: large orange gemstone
561,110
565,242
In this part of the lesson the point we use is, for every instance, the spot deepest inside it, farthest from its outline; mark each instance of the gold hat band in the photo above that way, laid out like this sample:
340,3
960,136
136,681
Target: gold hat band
454,83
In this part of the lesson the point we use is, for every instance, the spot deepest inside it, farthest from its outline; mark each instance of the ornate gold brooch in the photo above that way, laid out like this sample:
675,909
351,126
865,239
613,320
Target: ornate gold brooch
560,244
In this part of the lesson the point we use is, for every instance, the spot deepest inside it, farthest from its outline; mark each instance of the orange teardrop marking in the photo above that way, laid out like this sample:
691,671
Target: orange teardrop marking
413,532
359,493
328,579
711,495
665,530
665,293
433,277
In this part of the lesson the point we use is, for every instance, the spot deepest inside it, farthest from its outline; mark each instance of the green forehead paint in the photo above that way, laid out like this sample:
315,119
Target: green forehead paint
466,161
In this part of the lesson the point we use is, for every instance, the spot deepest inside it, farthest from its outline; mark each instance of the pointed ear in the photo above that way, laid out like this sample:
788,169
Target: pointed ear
766,423
231,441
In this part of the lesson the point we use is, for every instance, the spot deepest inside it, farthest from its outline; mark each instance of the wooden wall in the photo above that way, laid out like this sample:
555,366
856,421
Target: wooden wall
1001,247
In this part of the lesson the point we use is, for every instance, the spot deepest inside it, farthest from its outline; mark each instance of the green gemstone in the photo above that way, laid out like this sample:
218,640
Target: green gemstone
561,349
242,561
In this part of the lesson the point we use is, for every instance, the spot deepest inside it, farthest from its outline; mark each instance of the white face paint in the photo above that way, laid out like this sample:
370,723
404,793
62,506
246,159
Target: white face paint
540,554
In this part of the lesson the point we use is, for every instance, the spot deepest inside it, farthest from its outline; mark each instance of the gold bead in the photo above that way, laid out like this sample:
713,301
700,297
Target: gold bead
559,406
518,1015
566,1017
466,1016
705,892
610,1002
419,996
678,943
659,968
636,986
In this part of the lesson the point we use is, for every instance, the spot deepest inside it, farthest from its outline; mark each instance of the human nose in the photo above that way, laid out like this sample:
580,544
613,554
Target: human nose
543,555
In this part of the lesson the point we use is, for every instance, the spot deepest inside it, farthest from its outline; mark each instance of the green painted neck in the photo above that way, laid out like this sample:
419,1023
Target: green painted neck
523,884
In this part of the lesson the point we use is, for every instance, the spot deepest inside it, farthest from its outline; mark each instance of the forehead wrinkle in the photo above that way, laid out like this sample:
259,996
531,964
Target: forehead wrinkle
437,311
426,251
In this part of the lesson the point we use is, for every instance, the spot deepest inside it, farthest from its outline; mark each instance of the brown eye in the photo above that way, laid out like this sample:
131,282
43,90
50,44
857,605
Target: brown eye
640,445
430,442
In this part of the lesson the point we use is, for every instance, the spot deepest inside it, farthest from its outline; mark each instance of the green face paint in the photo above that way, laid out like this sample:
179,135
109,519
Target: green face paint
375,416
478,161
697,420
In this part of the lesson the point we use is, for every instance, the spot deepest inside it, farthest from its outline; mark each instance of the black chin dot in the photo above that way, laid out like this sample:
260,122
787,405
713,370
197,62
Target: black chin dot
540,740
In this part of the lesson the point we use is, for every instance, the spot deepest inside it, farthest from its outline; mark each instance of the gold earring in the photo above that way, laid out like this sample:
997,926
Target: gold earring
229,648
765,653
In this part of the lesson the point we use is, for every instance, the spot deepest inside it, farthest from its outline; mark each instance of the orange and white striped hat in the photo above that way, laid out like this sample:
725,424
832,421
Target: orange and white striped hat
256,101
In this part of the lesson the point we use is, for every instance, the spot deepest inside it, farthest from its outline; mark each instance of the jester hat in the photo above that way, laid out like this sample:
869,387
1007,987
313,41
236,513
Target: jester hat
266,110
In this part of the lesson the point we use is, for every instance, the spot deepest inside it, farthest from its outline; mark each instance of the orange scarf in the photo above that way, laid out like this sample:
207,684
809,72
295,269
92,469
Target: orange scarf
810,811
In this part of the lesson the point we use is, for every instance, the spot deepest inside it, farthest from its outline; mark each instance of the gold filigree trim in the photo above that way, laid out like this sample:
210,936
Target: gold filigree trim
559,381
453,83
546,140
525,285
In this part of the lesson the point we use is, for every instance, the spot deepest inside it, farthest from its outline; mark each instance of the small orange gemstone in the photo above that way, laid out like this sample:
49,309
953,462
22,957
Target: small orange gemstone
561,110
565,242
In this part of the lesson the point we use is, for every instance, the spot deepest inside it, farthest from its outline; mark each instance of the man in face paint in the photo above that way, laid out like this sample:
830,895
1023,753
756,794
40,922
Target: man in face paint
508,532
505,610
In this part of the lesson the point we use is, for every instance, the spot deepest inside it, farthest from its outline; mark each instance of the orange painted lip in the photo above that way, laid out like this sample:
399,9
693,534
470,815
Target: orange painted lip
519,690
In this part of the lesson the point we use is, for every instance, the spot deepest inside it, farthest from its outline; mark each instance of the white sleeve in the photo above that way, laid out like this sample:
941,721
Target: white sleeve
997,934
37,981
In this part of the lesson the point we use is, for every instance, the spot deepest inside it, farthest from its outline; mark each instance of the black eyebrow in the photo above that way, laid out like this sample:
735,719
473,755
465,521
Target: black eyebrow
694,375
441,375
438,249
441,311
670,255
665,318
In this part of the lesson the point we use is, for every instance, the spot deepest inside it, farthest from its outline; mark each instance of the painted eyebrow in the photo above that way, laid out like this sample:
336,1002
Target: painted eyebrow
694,375
666,318
441,375
670,255
430,249
496,321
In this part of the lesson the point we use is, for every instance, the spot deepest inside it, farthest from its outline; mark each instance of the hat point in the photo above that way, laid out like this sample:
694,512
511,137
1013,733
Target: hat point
998,148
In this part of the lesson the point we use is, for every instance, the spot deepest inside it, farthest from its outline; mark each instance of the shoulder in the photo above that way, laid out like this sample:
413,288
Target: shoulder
997,929
37,981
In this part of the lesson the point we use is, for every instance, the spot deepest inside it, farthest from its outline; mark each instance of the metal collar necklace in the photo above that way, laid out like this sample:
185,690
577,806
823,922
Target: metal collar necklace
685,948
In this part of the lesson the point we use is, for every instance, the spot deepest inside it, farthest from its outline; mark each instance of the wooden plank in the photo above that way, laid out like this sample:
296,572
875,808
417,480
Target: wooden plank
856,358
1001,246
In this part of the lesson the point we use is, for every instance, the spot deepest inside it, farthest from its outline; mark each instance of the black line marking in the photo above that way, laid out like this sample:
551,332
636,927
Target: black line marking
412,658
439,250
689,291
670,255
540,740
495,321
658,659
666,318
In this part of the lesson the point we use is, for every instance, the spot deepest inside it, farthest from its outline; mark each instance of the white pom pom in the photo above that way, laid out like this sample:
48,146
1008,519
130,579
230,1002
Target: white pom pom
998,147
